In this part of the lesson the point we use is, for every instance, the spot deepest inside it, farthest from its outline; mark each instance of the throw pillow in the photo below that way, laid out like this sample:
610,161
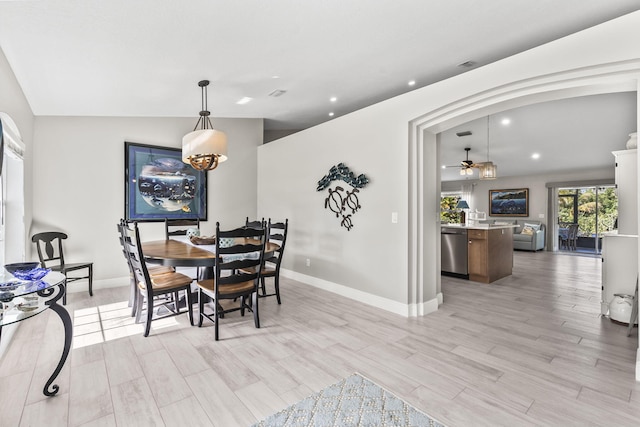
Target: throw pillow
527,230
535,227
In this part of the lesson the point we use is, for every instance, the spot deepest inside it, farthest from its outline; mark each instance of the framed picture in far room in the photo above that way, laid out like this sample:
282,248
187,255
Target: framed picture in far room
512,202
159,185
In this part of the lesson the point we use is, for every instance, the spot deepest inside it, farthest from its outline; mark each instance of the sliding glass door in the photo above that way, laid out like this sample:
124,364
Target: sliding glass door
584,214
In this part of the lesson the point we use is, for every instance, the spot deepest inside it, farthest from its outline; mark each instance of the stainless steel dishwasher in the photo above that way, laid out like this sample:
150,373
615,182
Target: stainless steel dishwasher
454,251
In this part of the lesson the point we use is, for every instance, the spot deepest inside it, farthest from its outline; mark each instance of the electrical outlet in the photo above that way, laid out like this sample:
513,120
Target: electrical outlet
308,262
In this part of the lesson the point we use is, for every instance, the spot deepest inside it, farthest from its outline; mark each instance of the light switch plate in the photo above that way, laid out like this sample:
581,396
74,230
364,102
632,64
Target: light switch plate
394,217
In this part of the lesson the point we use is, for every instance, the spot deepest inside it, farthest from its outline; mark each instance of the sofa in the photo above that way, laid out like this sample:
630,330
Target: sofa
528,236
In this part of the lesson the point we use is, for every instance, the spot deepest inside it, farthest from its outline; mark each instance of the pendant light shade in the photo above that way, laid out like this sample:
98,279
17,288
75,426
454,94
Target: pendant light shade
488,171
206,147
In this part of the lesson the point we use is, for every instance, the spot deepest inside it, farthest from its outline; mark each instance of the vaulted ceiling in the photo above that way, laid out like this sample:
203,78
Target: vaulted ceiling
145,57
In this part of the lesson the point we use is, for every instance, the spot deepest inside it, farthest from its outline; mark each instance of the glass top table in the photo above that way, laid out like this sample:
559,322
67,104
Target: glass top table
23,299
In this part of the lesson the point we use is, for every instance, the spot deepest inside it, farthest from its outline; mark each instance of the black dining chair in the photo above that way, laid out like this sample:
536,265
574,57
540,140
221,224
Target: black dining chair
277,233
151,287
179,227
51,254
230,280
154,270
258,223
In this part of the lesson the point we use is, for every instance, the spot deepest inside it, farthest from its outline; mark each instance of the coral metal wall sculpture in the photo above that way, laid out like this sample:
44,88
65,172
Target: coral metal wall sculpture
339,200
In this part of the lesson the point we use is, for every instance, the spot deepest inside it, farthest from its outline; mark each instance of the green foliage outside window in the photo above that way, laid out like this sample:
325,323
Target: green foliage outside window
581,202
448,212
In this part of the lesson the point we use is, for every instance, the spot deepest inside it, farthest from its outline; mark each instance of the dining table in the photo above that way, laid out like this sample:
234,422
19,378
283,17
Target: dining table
180,252
23,298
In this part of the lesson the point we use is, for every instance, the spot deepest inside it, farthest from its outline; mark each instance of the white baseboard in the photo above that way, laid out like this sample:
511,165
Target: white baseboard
638,364
407,310
83,286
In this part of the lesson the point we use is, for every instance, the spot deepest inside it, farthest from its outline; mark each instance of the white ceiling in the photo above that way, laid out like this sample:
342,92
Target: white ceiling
573,134
145,57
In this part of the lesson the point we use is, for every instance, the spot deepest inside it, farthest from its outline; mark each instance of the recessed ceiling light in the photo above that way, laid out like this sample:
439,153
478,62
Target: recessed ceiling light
466,64
331,114
277,92
244,100
333,99
535,156
275,77
412,82
505,121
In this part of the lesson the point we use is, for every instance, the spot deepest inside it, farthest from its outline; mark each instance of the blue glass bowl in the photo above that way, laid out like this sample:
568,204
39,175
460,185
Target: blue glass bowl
21,266
35,274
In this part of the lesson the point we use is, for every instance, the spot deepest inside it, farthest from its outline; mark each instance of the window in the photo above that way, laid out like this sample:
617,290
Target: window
448,212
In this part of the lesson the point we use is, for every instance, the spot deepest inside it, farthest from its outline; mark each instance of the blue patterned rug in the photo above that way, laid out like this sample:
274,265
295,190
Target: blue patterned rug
353,402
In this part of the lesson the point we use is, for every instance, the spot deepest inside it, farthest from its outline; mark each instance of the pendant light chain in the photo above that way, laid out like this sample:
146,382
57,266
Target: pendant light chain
488,138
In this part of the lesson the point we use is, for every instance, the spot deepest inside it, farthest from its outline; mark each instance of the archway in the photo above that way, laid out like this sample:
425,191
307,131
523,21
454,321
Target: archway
424,171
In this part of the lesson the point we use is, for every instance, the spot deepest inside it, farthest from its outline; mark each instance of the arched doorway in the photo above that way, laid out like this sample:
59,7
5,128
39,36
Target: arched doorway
424,170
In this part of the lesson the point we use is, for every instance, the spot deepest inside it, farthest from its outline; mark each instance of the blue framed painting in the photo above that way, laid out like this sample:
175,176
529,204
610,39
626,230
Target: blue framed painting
509,202
159,185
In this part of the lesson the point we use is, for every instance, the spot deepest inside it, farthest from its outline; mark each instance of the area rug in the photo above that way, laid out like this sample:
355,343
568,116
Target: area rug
353,402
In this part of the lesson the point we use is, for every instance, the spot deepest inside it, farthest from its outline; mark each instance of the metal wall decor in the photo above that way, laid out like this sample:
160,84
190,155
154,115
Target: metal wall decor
344,203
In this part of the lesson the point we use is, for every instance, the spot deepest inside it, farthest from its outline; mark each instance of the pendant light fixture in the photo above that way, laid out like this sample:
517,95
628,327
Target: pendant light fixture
487,169
205,147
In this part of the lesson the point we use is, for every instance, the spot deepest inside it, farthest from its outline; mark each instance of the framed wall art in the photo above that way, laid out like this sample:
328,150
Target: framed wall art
513,202
159,185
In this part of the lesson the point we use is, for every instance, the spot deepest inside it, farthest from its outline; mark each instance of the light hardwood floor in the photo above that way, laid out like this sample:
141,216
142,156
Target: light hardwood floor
530,349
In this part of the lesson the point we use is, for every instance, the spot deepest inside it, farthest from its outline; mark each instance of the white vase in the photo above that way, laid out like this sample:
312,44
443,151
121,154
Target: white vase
620,308
633,141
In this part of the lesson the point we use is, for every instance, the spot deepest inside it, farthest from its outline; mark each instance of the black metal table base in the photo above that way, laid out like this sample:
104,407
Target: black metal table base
51,389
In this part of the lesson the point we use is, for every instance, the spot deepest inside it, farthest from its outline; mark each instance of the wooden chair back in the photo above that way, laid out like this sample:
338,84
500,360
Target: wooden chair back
179,227
277,232
49,246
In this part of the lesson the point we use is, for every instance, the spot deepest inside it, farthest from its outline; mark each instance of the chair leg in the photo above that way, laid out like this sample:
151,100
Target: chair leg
147,326
256,318
187,296
276,282
264,287
200,307
216,317
91,280
64,296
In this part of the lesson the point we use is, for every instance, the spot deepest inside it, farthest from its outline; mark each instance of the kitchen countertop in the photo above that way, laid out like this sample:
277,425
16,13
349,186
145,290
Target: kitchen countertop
480,226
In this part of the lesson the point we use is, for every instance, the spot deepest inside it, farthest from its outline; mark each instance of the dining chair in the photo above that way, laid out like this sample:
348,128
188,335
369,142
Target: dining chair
254,224
154,270
568,236
179,227
150,287
51,254
230,281
277,233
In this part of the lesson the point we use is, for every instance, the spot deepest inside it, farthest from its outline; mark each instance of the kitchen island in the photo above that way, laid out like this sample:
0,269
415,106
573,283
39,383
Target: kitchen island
489,250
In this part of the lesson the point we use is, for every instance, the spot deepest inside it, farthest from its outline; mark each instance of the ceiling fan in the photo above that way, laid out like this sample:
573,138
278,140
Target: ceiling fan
466,166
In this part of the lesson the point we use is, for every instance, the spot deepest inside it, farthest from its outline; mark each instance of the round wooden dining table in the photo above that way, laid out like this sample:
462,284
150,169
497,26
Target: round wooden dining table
177,253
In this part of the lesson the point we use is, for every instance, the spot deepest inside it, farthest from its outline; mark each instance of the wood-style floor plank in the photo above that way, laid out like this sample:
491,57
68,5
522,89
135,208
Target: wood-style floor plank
529,349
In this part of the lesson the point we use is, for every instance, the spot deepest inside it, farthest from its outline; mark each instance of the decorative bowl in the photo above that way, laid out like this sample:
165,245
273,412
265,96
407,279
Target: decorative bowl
21,266
35,274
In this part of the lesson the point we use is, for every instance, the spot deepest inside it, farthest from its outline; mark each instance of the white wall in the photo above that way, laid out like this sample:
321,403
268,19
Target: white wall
79,181
376,258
